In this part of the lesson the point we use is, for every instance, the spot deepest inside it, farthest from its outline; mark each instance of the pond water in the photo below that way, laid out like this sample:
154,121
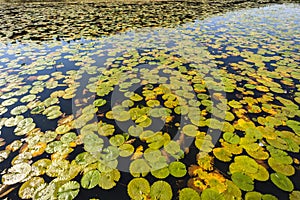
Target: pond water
198,107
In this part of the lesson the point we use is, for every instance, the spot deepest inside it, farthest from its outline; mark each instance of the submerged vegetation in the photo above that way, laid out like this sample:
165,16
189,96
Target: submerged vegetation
203,106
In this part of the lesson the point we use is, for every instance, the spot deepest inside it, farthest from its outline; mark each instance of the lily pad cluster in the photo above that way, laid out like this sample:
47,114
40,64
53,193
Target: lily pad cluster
222,92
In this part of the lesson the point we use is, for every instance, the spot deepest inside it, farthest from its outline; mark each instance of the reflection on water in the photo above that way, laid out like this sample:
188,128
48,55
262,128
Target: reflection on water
235,73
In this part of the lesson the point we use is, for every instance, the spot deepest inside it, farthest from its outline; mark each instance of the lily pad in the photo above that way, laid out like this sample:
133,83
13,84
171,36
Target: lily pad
243,181
92,143
161,173
90,179
99,102
26,190
295,195
138,188
108,180
190,130
126,150
282,182
211,194
161,190
68,191
177,169
231,138
117,140
16,174
139,167
188,194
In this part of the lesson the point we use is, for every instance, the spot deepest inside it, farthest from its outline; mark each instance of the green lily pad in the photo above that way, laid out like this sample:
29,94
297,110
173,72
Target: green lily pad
136,97
295,195
58,168
147,134
92,143
235,104
232,191
50,101
243,181
13,121
282,182
26,190
106,129
253,196
262,174
188,194
139,167
108,180
161,173
9,102
4,155
244,164
68,191
110,153
117,140
277,166
211,194
190,130
99,102
40,166
107,165
28,98
177,169
126,150
215,124
38,109
90,179
135,130
138,188
152,155
161,190
62,129
68,137
46,191
222,154
17,173
231,138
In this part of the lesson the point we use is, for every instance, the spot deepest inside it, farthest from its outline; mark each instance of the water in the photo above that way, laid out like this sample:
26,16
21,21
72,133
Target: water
248,55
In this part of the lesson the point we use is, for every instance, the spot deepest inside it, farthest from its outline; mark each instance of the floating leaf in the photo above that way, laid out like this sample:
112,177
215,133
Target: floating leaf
40,166
253,195
138,188
92,143
188,194
26,190
177,169
277,166
117,140
295,195
68,190
135,130
190,130
232,191
139,166
126,150
161,190
211,194
282,182
243,181
90,179
161,173
231,138
100,102
16,174
222,154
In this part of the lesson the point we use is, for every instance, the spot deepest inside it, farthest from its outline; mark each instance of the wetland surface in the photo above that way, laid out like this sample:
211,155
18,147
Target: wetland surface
150,101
